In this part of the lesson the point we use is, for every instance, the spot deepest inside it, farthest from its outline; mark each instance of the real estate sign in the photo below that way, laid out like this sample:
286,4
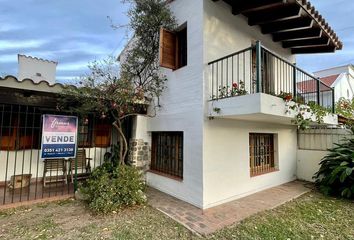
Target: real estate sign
59,136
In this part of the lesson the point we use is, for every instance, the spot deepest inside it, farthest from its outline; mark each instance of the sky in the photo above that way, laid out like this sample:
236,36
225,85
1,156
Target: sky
75,32
71,32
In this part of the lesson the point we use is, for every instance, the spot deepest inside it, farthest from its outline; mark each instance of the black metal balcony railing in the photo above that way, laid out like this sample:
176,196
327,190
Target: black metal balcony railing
257,69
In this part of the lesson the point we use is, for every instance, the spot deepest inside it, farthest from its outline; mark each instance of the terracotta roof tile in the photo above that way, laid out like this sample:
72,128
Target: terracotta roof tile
329,80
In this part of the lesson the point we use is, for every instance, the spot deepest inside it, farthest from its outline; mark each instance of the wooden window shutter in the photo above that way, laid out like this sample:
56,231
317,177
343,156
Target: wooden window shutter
168,49
103,135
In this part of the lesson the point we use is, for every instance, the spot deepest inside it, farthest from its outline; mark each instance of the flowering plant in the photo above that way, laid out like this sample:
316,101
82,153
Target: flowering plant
285,96
234,90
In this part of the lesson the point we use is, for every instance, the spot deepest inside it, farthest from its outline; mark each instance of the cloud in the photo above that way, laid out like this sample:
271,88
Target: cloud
67,79
18,44
72,66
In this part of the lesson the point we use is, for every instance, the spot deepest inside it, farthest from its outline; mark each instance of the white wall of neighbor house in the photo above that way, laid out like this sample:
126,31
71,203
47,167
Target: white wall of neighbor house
335,70
36,69
313,145
344,85
308,163
227,159
182,108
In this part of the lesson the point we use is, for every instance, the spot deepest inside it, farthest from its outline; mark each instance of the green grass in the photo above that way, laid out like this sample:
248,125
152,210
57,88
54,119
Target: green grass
312,216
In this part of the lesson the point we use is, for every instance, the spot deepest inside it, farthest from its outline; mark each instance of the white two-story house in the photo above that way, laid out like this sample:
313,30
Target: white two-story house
221,132
340,78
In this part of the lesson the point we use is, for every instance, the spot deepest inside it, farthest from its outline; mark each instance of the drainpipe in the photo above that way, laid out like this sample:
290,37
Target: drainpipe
259,66
318,91
294,82
333,101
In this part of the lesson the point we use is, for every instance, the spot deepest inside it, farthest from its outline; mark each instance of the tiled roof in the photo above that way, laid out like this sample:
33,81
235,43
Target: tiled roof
310,86
321,21
29,84
329,80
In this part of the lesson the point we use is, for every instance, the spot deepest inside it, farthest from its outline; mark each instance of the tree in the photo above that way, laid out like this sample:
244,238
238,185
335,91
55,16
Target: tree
118,91
345,108
140,62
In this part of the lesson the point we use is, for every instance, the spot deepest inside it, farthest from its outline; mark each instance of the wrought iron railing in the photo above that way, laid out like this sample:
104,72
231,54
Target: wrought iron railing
257,69
24,176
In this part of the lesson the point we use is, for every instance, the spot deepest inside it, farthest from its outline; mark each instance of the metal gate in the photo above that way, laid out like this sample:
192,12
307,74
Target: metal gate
24,176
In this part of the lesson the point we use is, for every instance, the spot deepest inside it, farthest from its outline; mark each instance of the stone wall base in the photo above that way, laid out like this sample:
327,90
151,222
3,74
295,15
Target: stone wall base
139,154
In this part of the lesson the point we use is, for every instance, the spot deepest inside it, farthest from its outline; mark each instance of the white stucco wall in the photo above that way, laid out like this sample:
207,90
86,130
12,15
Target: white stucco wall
226,141
261,107
182,108
308,163
226,159
216,154
28,67
225,33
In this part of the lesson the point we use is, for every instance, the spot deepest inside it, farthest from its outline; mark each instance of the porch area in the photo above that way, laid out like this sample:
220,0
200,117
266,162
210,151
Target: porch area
33,192
212,219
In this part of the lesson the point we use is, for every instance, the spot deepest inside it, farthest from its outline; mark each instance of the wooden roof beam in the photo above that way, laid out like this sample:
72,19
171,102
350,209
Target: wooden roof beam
287,25
255,5
313,42
297,35
319,49
274,14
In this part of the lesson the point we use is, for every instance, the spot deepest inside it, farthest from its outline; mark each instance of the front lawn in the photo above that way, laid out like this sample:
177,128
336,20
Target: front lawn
312,216
309,217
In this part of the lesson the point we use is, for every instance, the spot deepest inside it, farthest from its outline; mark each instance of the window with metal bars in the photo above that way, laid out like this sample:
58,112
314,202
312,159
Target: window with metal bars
261,153
167,153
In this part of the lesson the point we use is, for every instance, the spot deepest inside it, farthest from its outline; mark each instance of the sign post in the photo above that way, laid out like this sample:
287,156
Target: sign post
59,138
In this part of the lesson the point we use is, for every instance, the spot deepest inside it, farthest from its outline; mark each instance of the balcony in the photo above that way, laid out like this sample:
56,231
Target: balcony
248,84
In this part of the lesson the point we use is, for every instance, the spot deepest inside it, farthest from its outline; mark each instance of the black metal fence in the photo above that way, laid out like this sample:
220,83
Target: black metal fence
24,175
257,69
232,72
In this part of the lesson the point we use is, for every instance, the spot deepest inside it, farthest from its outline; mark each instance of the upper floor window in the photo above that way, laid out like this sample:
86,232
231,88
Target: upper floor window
173,48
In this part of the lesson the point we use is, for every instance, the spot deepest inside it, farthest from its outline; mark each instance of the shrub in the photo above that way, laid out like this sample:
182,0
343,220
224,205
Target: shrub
111,188
336,173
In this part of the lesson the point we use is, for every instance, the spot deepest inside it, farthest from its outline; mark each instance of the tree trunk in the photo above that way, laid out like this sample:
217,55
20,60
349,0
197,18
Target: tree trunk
123,148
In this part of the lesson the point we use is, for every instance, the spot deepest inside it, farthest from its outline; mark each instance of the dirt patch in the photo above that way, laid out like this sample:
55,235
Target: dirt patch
72,220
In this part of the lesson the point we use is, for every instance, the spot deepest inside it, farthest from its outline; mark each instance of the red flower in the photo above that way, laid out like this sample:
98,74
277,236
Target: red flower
288,97
234,85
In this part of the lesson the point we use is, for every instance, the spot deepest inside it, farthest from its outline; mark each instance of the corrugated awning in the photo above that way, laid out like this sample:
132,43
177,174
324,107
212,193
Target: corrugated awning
294,23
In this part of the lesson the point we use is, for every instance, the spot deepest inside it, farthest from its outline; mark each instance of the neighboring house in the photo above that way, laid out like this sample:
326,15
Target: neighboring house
220,132
36,69
22,105
341,79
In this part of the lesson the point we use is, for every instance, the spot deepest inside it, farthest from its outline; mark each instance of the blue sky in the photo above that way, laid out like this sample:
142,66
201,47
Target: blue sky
72,32
75,32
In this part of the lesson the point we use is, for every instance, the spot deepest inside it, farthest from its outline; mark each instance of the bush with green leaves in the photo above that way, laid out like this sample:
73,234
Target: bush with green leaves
336,173
112,188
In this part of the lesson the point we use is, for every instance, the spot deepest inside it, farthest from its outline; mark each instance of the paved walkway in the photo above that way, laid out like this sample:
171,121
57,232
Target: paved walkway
212,219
